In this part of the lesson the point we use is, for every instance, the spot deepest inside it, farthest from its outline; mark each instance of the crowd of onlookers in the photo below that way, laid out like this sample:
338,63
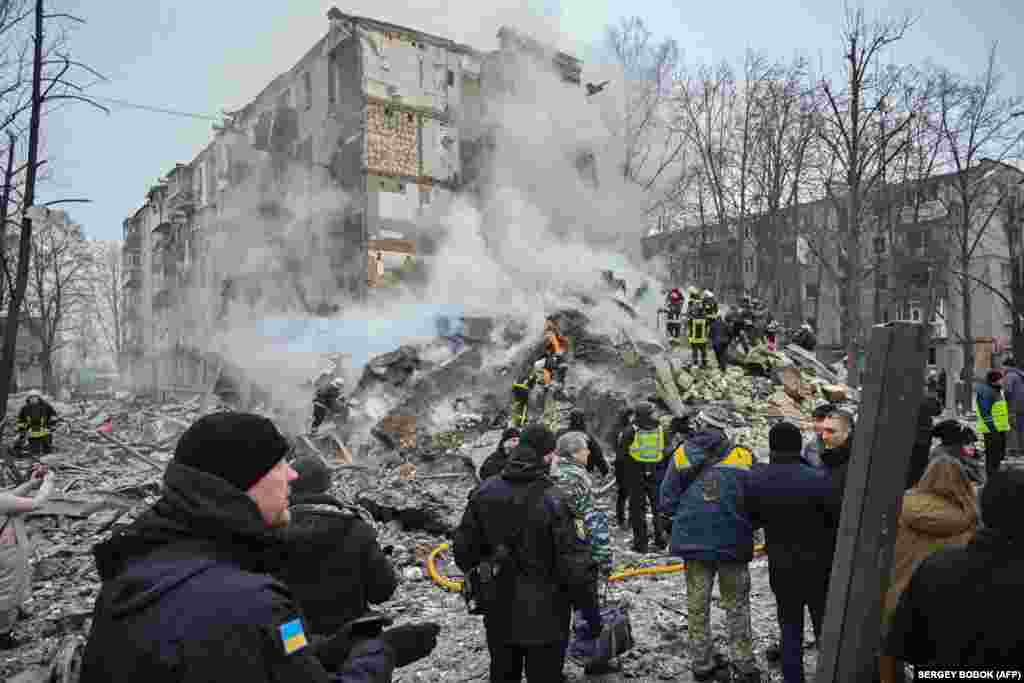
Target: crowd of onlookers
247,569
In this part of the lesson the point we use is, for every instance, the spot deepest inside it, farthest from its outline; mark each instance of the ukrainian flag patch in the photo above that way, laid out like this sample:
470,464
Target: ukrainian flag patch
292,636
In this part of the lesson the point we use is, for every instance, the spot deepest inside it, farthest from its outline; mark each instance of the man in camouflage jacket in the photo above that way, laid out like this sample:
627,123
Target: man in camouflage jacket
570,475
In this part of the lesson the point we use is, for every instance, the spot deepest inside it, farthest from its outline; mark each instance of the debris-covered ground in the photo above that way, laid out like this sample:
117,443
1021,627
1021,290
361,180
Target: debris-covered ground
424,417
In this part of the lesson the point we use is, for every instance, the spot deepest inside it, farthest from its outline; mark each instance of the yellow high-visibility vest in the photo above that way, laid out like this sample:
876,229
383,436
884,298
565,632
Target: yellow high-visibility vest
1000,416
648,447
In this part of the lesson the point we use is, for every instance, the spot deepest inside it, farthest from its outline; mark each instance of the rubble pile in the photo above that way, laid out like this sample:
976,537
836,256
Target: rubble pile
425,417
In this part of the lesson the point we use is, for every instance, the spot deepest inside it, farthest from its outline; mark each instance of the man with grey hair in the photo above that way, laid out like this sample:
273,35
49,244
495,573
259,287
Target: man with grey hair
570,475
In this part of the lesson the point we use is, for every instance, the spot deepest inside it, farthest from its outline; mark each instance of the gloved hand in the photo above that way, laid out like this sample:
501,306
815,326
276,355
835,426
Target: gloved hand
594,623
333,651
412,641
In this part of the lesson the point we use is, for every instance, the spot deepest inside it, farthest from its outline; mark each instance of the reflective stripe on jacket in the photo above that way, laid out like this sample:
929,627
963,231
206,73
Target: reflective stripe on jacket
1000,417
648,446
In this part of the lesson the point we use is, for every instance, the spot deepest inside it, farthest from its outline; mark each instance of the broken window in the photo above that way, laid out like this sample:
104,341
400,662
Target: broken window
451,78
307,81
748,264
810,290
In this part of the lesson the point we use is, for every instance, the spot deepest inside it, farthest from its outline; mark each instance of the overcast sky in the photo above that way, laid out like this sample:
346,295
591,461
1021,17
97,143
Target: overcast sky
201,56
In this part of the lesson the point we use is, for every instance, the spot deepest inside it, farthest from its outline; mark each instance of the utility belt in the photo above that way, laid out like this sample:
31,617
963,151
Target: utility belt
485,583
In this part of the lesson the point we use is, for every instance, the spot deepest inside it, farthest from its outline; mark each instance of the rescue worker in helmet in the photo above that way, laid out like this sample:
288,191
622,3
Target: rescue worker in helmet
710,305
556,347
746,322
772,335
329,401
674,312
34,420
697,328
805,339
644,441
521,394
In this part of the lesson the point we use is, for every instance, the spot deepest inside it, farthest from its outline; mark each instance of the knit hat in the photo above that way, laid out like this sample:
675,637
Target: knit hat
785,438
539,438
237,447
823,411
314,477
951,432
577,419
1000,506
713,417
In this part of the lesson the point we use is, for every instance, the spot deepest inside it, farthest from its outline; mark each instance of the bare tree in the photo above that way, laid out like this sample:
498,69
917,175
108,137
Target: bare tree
980,132
109,309
51,84
785,131
849,129
59,288
654,153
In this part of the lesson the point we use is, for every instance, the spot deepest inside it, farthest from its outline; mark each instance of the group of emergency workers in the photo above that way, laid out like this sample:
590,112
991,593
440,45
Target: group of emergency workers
748,324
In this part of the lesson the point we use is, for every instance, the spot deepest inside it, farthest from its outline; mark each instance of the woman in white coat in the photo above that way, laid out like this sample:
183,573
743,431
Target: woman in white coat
15,578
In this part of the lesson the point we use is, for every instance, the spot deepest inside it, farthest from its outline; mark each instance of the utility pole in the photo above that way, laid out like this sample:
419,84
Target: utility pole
10,342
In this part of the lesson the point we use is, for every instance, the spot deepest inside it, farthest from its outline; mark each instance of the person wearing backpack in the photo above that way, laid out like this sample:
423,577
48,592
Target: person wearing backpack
518,536
702,499
331,561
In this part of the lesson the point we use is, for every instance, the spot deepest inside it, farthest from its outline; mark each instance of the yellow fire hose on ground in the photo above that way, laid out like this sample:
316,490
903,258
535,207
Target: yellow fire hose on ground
455,586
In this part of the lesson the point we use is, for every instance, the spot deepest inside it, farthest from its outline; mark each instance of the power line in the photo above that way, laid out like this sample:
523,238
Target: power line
158,110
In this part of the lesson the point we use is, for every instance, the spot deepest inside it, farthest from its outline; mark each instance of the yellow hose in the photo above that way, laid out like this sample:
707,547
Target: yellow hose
454,586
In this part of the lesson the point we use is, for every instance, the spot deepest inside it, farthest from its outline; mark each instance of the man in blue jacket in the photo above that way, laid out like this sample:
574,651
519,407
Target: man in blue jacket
796,505
992,411
186,595
702,494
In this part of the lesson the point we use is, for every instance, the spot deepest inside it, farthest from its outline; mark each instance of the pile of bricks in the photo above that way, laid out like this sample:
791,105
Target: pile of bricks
392,140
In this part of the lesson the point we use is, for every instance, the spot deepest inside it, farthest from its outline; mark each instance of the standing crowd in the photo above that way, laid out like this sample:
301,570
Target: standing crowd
248,569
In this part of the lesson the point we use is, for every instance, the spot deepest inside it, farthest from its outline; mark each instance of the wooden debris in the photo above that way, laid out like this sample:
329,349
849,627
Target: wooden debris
130,451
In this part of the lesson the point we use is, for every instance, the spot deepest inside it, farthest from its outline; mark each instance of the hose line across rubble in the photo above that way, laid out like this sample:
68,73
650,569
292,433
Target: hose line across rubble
455,586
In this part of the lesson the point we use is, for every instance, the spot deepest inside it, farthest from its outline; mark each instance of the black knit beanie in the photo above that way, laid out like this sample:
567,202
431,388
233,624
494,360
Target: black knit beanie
237,447
1000,500
539,438
314,476
785,438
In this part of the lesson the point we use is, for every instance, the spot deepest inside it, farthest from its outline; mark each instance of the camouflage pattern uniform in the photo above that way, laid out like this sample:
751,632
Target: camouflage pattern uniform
734,583
574,482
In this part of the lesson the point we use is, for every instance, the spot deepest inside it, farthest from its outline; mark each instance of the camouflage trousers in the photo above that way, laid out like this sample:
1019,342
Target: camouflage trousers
734,585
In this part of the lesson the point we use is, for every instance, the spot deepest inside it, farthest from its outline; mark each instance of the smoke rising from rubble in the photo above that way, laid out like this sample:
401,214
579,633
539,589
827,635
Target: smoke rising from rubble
540,231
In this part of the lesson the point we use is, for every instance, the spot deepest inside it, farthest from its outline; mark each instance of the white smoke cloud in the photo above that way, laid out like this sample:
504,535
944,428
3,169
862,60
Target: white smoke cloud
540,230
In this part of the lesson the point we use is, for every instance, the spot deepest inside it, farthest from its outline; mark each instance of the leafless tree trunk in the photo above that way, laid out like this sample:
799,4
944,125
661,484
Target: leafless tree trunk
59,288
849,129
50,82
980,131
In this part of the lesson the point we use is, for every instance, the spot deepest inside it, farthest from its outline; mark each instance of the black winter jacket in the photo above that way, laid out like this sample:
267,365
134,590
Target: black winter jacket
796,506
332,563
185,597
553,570
949,615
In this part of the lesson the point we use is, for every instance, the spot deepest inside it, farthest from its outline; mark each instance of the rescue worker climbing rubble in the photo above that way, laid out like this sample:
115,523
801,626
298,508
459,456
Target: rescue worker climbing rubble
697,328
329,401
644,441
556,349
34,421
674,312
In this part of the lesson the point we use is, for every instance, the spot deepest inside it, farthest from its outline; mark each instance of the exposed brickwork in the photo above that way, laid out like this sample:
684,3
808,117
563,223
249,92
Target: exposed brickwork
391,141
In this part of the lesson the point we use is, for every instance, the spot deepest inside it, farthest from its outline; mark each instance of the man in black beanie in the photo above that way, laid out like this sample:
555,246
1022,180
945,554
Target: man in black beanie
186,594
948,617
332,563
795,504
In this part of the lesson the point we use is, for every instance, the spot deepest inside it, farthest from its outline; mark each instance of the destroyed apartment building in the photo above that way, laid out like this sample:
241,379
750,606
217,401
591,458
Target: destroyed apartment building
909,230
390,118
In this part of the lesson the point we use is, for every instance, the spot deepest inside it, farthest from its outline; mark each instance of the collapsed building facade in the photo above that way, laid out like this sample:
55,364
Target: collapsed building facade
338,160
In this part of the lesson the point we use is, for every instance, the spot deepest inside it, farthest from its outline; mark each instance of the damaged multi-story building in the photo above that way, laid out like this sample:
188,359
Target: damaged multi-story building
909,250
385,124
